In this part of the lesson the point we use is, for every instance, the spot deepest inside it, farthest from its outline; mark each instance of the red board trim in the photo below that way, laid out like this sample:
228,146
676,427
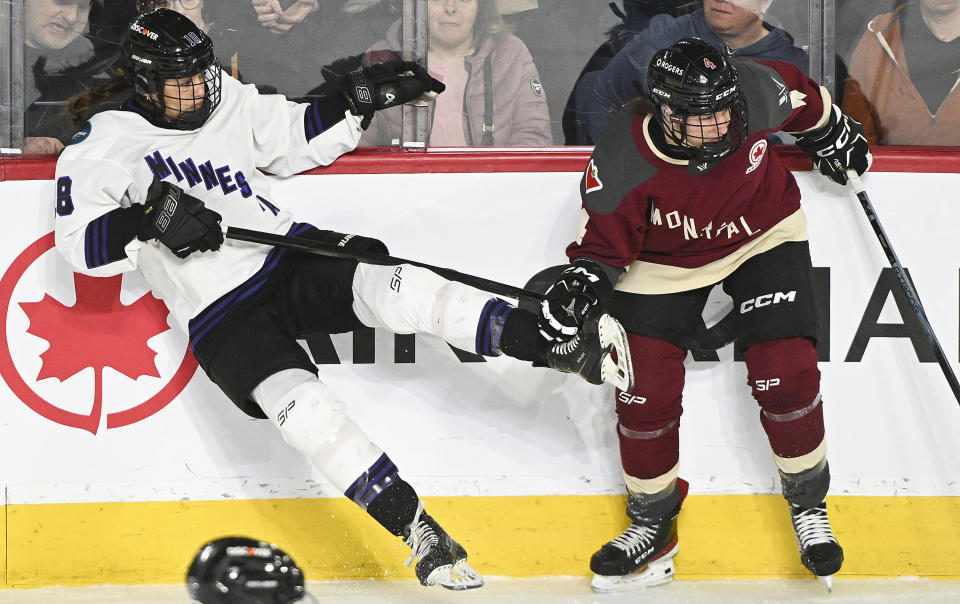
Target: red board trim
548,159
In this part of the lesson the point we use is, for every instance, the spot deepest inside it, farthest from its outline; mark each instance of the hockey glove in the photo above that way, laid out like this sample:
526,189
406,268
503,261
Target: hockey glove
579,288
388,84
179,221
837,147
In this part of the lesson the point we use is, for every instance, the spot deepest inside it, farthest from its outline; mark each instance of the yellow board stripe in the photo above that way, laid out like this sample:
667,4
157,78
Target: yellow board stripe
740,536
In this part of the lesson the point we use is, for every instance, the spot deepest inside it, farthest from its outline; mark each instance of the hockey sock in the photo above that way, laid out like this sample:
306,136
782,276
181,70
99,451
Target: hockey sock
520,336
395,506
493,318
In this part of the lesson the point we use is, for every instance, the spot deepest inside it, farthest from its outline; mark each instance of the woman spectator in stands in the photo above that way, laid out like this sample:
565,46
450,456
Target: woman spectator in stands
903,75
493,96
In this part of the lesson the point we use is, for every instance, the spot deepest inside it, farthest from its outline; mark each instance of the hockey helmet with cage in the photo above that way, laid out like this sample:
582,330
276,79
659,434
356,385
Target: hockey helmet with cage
240,570
692,79
162,45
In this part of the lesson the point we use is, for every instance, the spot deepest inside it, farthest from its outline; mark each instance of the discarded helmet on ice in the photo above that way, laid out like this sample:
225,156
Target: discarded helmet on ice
240,570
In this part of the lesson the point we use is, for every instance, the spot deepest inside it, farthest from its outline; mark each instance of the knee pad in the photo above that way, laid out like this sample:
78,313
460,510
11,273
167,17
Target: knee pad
308,415
314,421
649,415
785,382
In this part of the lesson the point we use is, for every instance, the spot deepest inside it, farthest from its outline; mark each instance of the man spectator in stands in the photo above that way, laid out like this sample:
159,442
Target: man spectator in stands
903,75
734,25
52,45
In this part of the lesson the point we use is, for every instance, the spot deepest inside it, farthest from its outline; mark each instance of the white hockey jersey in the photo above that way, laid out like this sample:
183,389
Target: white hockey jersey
113,161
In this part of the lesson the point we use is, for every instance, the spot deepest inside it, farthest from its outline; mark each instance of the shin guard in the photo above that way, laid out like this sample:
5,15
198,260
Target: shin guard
649,415
785,382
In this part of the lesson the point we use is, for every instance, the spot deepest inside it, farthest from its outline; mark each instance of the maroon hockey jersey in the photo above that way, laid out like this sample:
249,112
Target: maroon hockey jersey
674,228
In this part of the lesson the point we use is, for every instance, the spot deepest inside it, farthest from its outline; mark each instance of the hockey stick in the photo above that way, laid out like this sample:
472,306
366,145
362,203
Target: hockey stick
313,247
908,288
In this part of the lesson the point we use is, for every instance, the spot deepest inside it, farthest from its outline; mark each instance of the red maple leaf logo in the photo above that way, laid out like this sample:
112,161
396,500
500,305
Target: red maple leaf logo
97,331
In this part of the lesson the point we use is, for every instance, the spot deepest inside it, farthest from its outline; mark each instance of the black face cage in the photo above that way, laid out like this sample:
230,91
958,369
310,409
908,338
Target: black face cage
192,99
692,129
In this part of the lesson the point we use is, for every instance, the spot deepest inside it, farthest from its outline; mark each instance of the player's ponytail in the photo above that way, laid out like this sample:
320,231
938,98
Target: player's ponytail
83,105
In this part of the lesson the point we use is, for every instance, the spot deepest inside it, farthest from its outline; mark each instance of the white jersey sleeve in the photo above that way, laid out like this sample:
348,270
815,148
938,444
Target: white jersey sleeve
84,203
280,132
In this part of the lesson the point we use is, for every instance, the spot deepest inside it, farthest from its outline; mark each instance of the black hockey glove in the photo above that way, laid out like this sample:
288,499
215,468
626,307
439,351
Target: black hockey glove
179,221
837,147
388,84
579,288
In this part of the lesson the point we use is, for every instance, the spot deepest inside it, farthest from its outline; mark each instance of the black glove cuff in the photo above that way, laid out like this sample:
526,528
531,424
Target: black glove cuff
359,93
604,285
812,139
159,210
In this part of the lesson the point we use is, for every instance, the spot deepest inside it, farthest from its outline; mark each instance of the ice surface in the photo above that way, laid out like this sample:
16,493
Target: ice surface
541,591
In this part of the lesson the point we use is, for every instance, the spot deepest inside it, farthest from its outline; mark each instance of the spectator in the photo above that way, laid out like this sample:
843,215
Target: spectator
637,13
852,17
633,18
493,96
903,75
53,48
558,34
736,26
282,49
279,20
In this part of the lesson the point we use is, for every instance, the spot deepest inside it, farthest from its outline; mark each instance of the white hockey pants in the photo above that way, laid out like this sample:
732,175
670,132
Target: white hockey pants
409,299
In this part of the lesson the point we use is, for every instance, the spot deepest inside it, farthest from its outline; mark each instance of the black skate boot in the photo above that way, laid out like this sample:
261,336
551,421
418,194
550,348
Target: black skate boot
642,556
805,493
590,353
819,550
440,559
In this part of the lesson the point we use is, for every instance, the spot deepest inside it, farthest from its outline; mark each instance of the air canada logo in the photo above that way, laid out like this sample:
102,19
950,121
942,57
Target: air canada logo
106,358
757,152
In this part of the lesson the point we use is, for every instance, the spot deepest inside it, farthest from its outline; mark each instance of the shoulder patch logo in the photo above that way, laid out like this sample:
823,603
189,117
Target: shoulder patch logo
756,154
536,86
81,135
592,178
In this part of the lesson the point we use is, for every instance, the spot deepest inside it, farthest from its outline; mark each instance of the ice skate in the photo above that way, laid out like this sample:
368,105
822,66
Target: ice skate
440,559
642,556
819,550
590,353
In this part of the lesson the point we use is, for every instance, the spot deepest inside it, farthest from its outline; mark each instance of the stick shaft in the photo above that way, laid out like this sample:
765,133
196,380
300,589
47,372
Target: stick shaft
904,281
313,247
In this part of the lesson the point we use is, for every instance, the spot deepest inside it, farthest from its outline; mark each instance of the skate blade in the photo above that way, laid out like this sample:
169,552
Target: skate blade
458,576
657,572
827,581
619,372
